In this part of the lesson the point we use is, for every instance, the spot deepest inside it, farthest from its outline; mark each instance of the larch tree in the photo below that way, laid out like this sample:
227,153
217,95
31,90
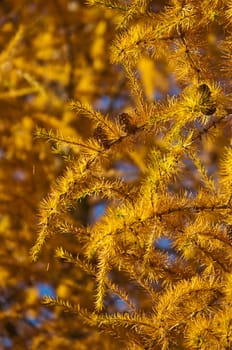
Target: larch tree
117,165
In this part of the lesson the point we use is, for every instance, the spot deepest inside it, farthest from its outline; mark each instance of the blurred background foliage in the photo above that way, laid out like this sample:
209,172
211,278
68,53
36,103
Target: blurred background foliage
50,53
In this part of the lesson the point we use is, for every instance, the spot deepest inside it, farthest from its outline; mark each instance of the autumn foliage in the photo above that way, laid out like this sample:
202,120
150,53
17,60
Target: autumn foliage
116,175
